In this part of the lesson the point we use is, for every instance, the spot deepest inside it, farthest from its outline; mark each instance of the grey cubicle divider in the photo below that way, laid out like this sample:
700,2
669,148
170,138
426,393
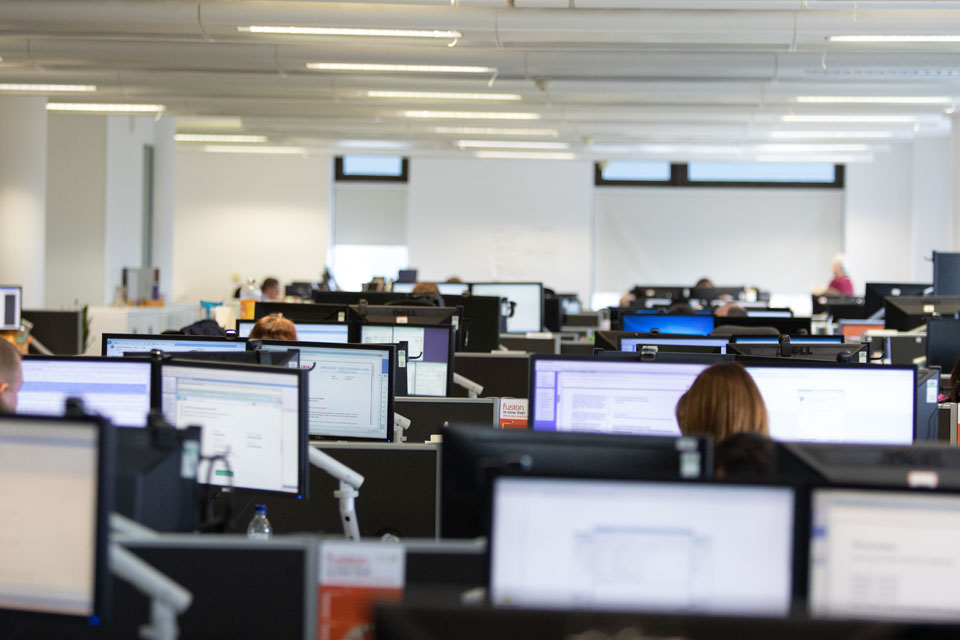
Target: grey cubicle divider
400,494
59,331
502,374
576,348
429,416
443,570
546,345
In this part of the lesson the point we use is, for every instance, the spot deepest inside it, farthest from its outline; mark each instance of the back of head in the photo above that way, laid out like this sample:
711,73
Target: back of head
745,456
273,328
730,310
704,283
426,287
723,400
10,376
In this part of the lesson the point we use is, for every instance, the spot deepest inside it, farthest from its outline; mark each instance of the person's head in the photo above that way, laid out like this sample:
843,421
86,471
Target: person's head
723,400
454,279
11,376
680,308
837,265
426,287
745,456
273,327
704,283
730,310
270,289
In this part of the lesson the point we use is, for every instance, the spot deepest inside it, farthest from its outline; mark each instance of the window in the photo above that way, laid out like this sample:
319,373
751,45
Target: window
818,175
372,168
632,172
823,173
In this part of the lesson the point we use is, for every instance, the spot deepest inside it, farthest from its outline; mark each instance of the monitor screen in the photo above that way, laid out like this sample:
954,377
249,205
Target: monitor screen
631,344
50,487
332,332
118,389
525,299
403,287
769,313
600,544
10,306
884,554
350,388
251,416
608,396
697,325
428,361
855,404
793,340
115,345
943,343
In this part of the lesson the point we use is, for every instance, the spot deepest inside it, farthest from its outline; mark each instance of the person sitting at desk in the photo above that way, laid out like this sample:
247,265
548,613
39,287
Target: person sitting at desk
273,327
841,285
270,291
11,377
722,401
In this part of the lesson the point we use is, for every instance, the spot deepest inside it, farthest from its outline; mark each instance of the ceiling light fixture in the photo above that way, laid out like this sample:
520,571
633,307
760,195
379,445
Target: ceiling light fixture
823,135
91,107
882,39
345,31
216,148
509,144
217,137
472,115
487,131
400,68
516,155
918,100
441,95
49,88
859,119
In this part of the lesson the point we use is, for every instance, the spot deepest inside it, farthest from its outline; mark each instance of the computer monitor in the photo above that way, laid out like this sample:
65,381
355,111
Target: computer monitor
877,291
56,475
793,340
471,457
607,396
632,343
881,554
525,300
769,313
307,331
699,325
943,343
904,313
254,421
10,307
351,387
824,352
841,403
786,326
119,389
403,287
429,359
114,345
714,293
621,545
446,288
299,312
946,273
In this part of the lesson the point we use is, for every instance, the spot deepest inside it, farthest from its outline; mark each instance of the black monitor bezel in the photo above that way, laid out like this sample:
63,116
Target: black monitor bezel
667,317
391,382
163,337
678,337
875,293
451,349
106,464
19,288
303,463
933,322
786,326
539,284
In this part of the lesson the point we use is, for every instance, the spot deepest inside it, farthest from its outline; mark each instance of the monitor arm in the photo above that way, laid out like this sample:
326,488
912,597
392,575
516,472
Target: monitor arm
474,389
167,598
400,424
350,482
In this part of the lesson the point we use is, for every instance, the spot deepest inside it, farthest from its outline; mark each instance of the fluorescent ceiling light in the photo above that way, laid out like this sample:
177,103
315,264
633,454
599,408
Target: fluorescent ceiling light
894,38
372,144
520,155
875,99
472,115
401,68
510,144
487,131
91,107
822,135
206,124
441,95
49,88
861,119
340,31
216,148
217,137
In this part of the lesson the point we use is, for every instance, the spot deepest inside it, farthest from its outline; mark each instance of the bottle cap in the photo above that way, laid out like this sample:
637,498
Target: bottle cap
260,510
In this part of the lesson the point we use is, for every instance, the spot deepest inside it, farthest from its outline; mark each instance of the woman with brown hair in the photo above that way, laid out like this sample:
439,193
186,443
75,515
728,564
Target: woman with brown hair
723,401
274,327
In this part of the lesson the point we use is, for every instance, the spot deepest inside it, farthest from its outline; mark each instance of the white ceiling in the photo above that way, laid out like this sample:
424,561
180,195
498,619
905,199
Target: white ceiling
615,78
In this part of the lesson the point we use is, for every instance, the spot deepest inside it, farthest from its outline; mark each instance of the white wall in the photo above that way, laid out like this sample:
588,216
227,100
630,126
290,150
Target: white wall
502,219
779,239
931,215
249,215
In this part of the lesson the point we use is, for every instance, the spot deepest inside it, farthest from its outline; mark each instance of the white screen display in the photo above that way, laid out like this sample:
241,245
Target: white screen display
307,332
428,358
631,344
528,311
115,388
852,405
9,308
251,418
349,389
116,347
48,479
887,555
607,396
654,546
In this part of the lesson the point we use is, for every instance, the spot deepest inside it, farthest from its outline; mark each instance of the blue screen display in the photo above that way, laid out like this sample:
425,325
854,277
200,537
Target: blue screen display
687,325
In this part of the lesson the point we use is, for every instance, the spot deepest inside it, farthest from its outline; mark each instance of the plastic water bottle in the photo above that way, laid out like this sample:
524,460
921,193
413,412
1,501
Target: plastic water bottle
249,297
259,528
